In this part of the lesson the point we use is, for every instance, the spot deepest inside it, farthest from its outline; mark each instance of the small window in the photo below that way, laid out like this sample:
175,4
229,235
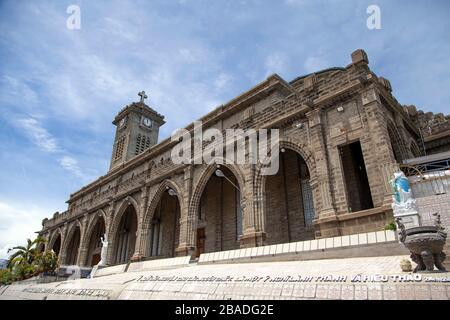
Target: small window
119,148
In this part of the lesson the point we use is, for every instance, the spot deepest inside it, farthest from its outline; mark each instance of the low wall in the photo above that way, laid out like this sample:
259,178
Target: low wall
436,203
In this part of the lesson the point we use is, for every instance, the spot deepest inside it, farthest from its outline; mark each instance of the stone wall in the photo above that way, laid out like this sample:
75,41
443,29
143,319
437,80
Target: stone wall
438,203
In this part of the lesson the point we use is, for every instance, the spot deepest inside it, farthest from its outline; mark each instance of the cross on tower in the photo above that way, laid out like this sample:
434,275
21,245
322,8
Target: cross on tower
143,96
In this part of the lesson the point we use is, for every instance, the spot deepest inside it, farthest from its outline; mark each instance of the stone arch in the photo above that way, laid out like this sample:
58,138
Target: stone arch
129,200
398,146
204,178
52,240
206,173
68,239
99,214
146,227
260,179
113,229
153,203
414,148
97,217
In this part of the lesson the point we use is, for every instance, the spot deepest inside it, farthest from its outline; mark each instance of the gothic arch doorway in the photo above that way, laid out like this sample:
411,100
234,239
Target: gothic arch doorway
289,206
56,245
73,247
95,245
125,237
164,231
219,214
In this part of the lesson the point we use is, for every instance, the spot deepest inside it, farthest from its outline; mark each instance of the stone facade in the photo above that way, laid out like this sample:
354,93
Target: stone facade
435,129
342,134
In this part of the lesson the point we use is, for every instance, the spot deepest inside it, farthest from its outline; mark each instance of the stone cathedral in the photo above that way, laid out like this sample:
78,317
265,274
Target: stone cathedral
342,135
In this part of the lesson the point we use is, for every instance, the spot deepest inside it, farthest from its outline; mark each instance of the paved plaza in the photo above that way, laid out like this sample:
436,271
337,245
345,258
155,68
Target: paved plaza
367,278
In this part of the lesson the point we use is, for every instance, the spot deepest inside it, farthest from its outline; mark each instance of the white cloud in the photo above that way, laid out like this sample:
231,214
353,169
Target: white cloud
47,143
38,135
19,222
71,164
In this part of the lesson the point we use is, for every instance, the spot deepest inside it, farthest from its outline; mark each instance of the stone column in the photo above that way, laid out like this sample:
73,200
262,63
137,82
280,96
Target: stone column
384,157
109,218
62,253
188,221
322,177
142,232
325,221
46,236
253,234
84,242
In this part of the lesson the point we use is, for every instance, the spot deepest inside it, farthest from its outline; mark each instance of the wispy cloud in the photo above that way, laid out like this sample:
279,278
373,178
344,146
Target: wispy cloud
33,129
38,135
71,164
19,222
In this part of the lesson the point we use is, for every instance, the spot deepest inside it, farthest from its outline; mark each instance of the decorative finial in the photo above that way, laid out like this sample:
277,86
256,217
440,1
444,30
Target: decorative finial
143,96
437,221
401,226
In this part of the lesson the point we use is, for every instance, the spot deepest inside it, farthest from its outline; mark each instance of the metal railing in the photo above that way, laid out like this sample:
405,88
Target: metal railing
428,179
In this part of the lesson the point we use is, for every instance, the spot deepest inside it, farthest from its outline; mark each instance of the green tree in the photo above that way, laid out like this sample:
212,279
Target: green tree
25,261
26,254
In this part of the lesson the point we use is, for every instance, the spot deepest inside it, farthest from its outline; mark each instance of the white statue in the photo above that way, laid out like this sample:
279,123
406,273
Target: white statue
402,195
104,250
403,203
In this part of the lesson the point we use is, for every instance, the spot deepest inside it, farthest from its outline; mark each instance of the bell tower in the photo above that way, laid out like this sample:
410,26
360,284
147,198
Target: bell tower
137,130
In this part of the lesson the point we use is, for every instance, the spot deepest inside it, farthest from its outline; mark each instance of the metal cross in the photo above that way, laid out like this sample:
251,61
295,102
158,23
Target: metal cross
143,96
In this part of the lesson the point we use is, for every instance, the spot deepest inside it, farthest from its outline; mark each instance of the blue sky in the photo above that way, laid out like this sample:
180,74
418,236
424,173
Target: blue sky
61,88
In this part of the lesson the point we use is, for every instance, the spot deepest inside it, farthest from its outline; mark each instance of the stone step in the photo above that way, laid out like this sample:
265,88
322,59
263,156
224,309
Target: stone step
381,243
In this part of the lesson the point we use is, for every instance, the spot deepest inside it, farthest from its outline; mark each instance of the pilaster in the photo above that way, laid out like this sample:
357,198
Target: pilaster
141,233
188,220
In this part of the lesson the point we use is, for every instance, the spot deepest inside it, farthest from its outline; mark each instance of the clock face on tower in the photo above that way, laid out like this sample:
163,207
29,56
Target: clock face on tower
147,122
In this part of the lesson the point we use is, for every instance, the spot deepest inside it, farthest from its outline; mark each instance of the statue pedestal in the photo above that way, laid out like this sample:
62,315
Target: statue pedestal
409,217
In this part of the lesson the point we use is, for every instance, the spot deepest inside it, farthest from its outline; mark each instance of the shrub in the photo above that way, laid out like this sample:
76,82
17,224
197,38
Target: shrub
391,226
6,277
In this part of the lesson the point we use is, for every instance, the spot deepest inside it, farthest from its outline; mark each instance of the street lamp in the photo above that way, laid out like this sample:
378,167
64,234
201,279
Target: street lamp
220,174
171,191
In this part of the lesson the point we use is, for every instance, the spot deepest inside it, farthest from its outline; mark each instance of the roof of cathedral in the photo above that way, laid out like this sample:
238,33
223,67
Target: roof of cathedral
317,73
